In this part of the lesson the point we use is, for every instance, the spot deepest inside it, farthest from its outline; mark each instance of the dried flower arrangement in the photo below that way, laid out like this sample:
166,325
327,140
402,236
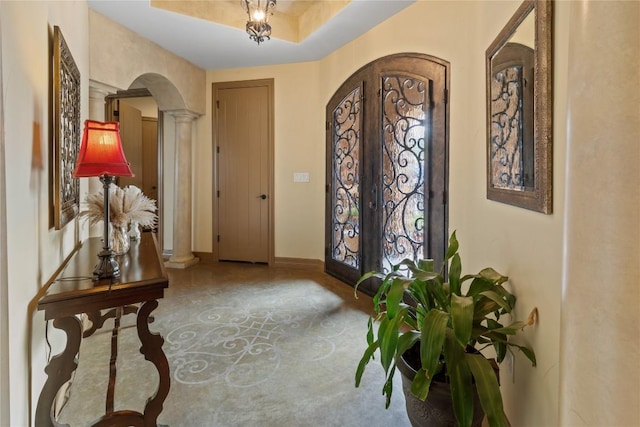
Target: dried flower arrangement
126,205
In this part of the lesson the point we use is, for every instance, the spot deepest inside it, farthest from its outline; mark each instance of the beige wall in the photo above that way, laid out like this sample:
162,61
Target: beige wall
124,56
147,105
600,336
299,147
34,249
525,245
4,290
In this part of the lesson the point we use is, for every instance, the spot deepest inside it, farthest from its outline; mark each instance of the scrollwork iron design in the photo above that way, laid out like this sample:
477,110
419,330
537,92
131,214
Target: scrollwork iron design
506,129
66,133
346,179
404,104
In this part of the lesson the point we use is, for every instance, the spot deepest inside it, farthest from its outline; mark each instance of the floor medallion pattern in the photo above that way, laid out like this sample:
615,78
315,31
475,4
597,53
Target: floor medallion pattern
245,346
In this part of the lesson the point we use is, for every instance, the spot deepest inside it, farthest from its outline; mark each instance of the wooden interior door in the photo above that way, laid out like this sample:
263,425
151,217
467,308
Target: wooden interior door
150,157
130,119
243,132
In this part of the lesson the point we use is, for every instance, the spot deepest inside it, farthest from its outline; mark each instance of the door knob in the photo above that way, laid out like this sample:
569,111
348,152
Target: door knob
262,196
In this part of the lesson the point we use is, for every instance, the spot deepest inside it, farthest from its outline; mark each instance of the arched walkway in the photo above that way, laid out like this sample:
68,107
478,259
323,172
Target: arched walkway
164,92
170,101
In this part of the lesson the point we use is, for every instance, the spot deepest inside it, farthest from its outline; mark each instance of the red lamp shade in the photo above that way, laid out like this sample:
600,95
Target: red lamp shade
101,151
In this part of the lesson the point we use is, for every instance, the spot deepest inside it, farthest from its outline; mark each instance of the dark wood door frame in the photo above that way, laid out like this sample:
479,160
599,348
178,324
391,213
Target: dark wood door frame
420,67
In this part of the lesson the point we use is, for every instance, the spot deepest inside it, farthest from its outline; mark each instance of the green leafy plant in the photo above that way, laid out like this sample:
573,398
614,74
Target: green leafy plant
453,323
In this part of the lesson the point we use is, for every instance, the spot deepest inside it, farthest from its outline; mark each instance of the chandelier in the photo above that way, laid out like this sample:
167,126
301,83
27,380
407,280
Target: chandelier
258,11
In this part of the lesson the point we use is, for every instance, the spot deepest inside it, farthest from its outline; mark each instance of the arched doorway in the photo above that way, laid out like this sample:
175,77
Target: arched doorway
174,161
387,166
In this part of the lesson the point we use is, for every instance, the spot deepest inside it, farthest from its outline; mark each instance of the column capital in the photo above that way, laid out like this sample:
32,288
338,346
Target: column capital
99,90
183,115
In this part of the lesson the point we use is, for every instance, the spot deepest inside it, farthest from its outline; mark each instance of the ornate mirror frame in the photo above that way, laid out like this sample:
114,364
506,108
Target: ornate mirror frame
520,153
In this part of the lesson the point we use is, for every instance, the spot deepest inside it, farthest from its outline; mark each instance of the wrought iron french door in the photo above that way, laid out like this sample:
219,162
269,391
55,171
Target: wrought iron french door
387,167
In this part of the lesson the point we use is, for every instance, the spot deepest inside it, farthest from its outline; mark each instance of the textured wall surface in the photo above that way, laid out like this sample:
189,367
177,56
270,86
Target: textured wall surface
600,373
125,56
34,248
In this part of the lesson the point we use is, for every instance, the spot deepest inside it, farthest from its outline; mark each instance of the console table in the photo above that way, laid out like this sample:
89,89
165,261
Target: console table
72,292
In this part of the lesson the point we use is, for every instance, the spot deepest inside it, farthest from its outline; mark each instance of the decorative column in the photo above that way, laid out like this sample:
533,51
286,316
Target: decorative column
182,256
97,95
600,331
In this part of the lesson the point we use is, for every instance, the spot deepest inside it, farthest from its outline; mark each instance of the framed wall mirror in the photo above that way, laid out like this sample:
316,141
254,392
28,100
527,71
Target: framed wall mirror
519,110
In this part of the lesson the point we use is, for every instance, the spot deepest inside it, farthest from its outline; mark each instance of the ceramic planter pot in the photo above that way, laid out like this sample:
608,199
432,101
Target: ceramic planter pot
437,409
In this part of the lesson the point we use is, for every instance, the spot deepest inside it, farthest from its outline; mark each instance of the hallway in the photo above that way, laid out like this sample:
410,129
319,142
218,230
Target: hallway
248,345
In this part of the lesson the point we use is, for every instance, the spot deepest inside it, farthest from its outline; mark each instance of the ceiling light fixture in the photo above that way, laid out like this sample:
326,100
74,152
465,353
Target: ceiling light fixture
259,12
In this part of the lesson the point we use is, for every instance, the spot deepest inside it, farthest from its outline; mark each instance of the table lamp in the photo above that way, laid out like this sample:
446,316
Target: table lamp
101,154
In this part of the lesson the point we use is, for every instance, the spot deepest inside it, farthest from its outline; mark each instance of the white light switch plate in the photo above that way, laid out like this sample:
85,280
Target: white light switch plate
301,177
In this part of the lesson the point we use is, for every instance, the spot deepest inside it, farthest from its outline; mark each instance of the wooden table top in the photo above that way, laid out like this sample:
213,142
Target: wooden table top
73,291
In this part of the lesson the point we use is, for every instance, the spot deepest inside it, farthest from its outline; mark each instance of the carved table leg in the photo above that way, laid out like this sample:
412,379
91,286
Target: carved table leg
59,370
111,388
152,350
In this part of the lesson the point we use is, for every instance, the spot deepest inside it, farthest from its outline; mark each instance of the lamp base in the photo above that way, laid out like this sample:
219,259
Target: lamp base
107,267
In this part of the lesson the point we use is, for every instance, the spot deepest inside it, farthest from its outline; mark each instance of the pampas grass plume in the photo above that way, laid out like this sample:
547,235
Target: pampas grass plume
126,205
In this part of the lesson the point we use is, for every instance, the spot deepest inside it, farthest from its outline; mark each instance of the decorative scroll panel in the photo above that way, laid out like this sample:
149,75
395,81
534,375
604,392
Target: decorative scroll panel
66,132
404,103
506,129
346,180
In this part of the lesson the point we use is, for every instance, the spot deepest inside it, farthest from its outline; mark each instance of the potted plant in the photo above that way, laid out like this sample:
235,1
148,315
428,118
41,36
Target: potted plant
448,325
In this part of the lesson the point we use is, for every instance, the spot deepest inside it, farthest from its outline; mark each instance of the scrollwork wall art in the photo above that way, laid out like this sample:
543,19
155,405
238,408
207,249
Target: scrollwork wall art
66,131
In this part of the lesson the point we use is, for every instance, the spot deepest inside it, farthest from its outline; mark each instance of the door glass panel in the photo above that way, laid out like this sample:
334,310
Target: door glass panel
386,167
346,180
404,100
